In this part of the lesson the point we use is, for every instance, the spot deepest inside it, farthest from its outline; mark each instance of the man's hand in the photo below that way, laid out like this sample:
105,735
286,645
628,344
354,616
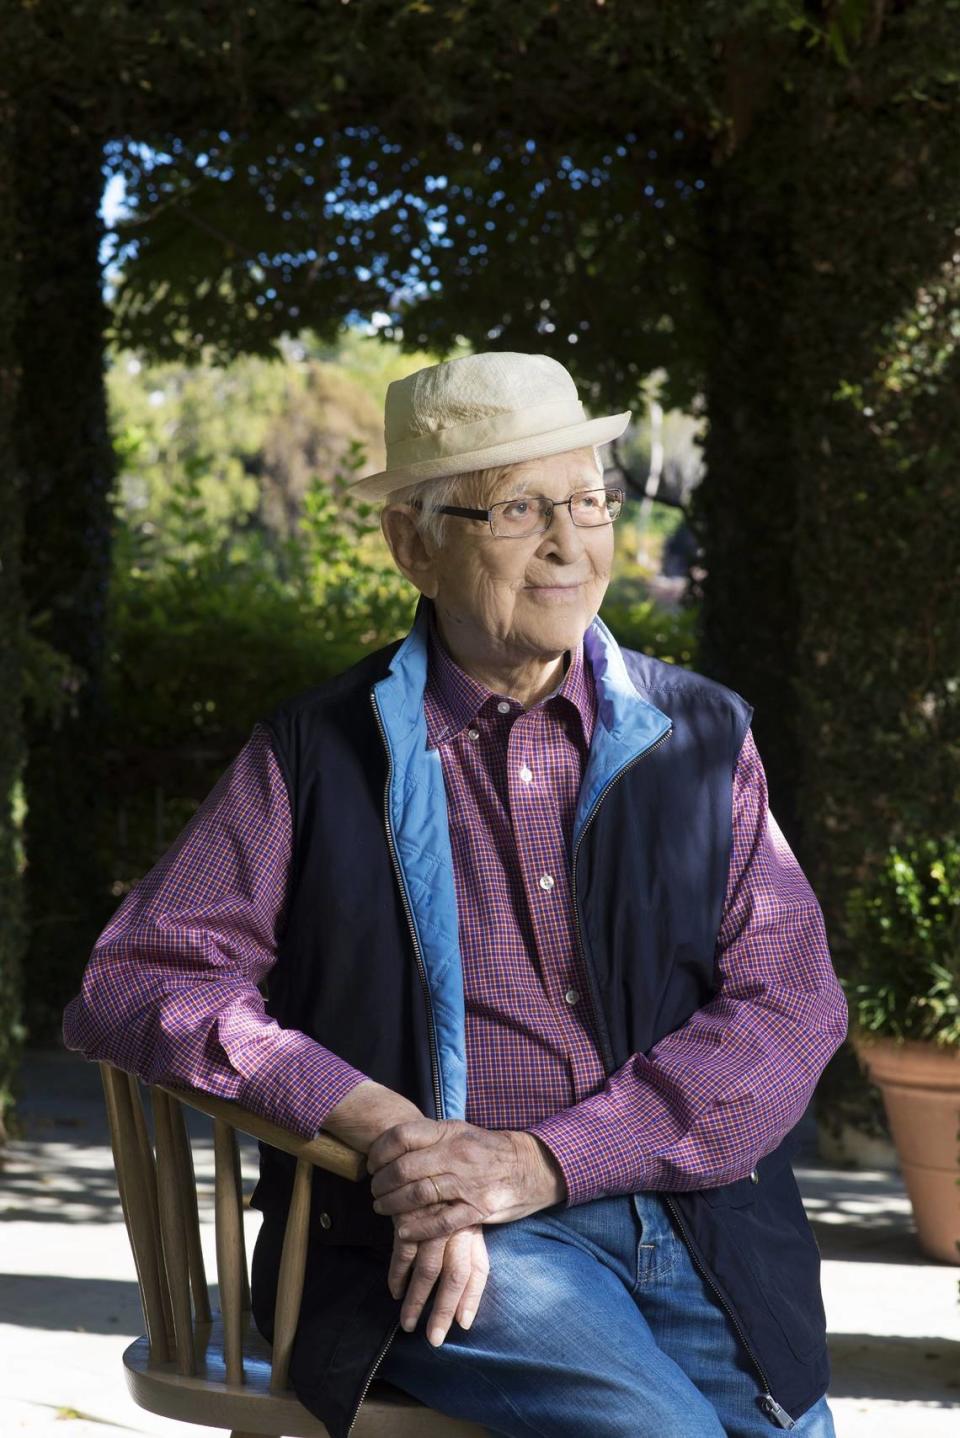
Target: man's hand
368,1110
460,1263
442,1175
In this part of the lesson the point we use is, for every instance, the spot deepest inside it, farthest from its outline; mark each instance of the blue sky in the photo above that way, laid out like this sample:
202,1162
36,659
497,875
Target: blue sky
111,207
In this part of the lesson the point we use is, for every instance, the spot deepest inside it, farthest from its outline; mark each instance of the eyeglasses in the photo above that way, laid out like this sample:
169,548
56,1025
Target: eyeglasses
528,514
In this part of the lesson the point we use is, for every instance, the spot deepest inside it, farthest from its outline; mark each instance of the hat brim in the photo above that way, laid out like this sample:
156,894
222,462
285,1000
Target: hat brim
535,446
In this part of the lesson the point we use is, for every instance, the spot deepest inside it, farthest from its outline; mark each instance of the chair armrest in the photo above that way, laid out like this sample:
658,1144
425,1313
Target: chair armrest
324,1151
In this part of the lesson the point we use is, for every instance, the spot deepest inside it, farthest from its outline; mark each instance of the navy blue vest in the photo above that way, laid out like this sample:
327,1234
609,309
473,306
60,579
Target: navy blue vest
368,964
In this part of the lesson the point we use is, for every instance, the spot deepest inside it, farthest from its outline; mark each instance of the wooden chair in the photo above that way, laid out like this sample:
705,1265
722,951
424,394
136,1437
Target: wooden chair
214,1368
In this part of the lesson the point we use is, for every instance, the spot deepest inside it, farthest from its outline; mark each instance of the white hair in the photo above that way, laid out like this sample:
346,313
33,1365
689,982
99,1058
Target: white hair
472,489
469,489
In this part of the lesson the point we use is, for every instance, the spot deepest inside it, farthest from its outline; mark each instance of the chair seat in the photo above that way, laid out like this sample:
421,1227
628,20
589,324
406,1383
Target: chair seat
206,1397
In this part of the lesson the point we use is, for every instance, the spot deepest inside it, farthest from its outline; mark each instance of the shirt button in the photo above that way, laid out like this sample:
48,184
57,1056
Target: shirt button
504,707
754,1176
546,881
571,996
526,774
325,1220
474,733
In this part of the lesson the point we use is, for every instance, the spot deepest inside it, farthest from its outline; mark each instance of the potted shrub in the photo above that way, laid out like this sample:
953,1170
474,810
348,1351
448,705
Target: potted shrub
904,998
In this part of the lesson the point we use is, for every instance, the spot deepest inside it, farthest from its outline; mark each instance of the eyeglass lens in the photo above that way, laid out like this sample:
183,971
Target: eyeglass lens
528,513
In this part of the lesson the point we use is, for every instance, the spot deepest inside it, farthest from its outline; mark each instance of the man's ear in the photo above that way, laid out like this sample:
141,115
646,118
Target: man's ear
410,552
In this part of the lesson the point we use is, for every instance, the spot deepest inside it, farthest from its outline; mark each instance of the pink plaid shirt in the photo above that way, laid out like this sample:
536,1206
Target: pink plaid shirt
171,989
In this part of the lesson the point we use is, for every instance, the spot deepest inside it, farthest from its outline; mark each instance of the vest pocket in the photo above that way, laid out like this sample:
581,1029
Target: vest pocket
733,1195
770,1240
341,1211
743,1191
764,1242
785,1262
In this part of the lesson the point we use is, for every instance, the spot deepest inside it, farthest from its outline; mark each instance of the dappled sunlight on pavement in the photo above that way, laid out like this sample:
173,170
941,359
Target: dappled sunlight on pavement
893,1313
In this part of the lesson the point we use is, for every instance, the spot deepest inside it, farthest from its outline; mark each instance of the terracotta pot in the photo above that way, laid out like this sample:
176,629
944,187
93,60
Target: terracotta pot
920,1083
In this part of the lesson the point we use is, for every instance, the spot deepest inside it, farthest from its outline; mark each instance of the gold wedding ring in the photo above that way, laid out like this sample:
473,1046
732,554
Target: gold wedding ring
440,1198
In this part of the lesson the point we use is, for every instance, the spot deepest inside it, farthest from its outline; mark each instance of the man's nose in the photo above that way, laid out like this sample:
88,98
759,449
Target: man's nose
564,535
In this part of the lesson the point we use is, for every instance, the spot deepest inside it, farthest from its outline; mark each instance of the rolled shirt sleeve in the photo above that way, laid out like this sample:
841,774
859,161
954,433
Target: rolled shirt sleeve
718,1093
170,991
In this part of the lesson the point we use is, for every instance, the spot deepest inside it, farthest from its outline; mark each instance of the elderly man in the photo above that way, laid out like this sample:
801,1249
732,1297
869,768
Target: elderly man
532,941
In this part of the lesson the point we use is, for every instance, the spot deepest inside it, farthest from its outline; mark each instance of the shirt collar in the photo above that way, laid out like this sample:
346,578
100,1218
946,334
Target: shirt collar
456,698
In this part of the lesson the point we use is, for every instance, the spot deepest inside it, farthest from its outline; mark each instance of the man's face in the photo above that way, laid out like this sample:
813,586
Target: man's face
532,596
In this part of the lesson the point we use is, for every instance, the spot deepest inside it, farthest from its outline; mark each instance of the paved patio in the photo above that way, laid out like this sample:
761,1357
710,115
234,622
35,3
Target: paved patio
69,1304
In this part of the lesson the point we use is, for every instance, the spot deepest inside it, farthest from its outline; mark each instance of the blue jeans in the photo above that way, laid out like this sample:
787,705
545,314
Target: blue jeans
593,1321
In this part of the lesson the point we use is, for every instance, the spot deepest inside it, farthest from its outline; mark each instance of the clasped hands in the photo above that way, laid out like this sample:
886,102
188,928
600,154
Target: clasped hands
441,1180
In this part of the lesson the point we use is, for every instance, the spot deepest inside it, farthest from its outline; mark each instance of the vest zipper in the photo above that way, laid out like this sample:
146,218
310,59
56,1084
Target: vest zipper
434,1061
768,1403
434,1057
377,1361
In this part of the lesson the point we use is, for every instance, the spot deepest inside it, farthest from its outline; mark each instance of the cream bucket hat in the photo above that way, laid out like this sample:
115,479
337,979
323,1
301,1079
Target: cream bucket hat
479,411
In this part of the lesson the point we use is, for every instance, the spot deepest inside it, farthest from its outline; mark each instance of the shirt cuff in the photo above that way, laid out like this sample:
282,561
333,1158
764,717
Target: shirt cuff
299,1085
588,1142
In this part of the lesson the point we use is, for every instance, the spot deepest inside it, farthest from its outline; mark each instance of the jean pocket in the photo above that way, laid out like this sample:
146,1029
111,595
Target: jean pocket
658,1246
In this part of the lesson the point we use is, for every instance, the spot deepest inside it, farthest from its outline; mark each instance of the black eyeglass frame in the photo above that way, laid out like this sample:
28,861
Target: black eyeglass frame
614,491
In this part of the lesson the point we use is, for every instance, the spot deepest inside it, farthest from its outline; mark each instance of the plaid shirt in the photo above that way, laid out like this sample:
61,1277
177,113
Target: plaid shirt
170,990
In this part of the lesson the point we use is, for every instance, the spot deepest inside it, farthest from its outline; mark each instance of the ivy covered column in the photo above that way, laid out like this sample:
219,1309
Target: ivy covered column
11,630
67,467
746,510
876,320
831,513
